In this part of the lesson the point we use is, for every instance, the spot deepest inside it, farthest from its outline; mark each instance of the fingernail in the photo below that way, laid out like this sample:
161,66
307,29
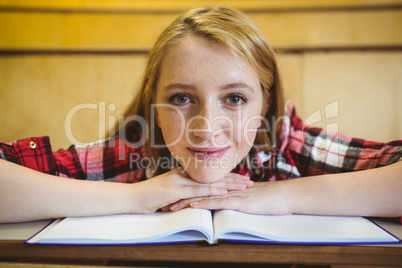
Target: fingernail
223,191
194,204
241,186
249,183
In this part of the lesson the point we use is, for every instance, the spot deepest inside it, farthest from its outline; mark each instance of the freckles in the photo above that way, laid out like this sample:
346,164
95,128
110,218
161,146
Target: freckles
247,128
170,126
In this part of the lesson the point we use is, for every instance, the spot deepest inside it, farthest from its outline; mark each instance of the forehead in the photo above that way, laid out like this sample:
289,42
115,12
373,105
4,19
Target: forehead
196,57
196,46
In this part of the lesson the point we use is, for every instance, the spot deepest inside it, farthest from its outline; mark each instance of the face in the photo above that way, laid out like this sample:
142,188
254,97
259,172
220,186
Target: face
209,107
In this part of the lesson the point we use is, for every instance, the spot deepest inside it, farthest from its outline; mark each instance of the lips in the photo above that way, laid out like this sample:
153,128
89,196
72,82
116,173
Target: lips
209,153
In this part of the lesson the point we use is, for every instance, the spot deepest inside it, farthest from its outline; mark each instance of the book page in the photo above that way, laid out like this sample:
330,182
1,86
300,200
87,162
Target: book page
139,227
298,228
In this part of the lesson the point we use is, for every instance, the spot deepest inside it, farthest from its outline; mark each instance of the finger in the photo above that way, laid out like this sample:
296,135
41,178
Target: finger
165,209
237,177
186,202
217,203
233,185
235,181
182,204
201,191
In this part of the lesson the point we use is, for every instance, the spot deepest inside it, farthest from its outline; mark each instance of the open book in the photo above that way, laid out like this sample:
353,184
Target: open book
191,225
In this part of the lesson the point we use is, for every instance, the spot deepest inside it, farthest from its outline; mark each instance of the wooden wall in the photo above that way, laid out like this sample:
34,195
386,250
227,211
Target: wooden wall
69,68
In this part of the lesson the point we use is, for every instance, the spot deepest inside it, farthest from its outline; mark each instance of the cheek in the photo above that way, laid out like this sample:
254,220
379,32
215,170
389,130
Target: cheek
172,126
245,129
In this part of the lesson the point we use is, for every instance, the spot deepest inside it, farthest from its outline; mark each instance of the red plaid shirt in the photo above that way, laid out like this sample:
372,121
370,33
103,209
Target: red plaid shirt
301,151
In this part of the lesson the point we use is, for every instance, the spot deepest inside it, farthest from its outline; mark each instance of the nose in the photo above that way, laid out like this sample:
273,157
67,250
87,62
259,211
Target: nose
204,124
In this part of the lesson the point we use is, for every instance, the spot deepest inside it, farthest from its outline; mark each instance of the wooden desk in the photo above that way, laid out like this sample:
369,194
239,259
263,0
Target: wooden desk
13,250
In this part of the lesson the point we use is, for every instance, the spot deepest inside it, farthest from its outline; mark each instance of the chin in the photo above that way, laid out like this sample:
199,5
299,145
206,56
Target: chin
207,174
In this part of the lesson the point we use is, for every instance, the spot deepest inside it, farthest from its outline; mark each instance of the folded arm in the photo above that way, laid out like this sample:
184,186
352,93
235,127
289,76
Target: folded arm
26,194
373,192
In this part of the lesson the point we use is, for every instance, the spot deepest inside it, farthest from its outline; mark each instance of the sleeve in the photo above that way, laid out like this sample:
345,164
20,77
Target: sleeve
34,153
109,160
316,151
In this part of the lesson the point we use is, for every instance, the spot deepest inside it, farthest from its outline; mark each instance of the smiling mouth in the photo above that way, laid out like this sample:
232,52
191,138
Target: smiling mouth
207,154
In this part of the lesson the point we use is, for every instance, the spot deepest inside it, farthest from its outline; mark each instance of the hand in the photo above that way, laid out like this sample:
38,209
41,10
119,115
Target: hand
262,198
231,182
171,187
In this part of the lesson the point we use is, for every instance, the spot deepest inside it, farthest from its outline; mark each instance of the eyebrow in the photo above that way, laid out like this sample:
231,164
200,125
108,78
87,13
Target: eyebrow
238,85
179,86
224,87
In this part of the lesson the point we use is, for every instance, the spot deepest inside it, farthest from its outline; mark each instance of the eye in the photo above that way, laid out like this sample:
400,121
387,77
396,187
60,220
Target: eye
236,99
179,98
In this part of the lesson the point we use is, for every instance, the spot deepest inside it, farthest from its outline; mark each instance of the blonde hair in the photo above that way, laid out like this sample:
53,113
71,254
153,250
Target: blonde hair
236,32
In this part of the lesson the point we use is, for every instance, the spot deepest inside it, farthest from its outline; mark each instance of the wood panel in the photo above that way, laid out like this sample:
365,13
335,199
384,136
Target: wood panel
166,6
366,87
131,31
56,56
39,95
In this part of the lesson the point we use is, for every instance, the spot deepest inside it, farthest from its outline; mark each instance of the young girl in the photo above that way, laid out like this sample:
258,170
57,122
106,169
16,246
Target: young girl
209,129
